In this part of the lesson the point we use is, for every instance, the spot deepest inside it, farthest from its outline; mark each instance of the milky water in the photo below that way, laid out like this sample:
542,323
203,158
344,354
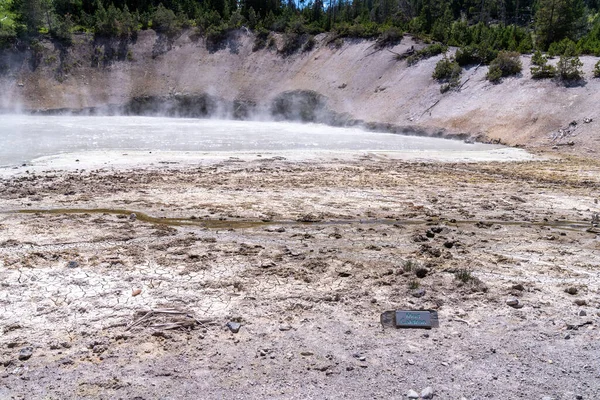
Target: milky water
26,138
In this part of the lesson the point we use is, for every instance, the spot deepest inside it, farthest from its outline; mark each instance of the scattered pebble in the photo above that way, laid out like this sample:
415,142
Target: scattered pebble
572,290
412,394
411,361
518,287
132,217
72,264
581,302
25,353
234,326
427,393
514,303
284,328
418,293
136,292
582,313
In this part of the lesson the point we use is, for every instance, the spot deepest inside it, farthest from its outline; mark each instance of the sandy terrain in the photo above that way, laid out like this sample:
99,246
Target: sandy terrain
305,255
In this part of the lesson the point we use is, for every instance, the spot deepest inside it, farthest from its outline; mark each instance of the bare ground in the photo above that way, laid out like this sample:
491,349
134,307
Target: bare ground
305,256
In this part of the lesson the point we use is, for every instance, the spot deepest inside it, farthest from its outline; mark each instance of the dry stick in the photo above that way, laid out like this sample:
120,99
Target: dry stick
434,104
139,321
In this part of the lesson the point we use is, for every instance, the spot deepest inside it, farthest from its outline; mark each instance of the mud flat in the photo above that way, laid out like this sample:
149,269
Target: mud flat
304,253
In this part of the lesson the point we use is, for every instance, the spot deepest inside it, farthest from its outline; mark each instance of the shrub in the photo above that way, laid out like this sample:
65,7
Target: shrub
569,65
427,52
597,70
309,44
558,48
463,275
164,21
541,69
494,74
447,71
507,63
291,43
389,37
470,55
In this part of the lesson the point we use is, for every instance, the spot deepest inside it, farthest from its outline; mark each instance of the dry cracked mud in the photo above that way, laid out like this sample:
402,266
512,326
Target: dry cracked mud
305,256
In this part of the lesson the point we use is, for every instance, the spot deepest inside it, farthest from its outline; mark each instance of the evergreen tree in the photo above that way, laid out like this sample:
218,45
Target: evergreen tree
558,19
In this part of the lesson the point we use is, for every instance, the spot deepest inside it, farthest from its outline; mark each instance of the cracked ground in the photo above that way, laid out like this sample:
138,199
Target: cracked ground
305,256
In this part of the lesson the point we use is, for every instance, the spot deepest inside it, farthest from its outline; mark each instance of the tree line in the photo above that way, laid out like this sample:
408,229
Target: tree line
481,26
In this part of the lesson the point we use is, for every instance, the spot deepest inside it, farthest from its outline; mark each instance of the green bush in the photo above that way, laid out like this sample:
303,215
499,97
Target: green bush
447,71
540,68
389,37
471,55
569,65
494,74
597,70
309,44
559,48
165,21
507,63
427,52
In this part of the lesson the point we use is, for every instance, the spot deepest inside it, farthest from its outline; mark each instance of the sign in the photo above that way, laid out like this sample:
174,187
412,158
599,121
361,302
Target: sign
426,319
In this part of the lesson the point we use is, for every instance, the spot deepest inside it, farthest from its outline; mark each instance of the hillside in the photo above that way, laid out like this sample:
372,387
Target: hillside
348,81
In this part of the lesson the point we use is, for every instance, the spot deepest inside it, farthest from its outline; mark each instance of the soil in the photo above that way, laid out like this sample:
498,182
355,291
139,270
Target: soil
304,255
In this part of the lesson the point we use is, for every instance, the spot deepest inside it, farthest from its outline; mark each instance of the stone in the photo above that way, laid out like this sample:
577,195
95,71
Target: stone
411,394
72,264
285,327
418,293
518,287
132,217
581,302
427,393
234,326
411,361
514,303
572,290
582,313
25,353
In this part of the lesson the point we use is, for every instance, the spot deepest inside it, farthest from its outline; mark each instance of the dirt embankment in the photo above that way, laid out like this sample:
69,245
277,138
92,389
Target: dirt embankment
339,83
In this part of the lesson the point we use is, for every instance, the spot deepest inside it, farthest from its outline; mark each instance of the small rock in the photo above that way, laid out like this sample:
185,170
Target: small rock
136,292
132,217
25,353
72,264
418,293
411,361
572,290
306,353
285,328
234,326
514,303
567,336
581,302
412,394
518,287
449,244
582,313
427,393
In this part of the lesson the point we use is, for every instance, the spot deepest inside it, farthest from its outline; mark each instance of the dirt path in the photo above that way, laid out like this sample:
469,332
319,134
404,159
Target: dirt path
305,256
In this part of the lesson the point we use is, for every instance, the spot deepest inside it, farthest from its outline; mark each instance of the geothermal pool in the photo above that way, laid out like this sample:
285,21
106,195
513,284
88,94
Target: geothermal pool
25,139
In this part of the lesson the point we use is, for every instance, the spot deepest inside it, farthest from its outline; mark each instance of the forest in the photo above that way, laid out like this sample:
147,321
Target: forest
480,26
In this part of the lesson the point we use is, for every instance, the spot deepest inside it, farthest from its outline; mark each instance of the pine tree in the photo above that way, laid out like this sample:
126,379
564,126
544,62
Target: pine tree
558,19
